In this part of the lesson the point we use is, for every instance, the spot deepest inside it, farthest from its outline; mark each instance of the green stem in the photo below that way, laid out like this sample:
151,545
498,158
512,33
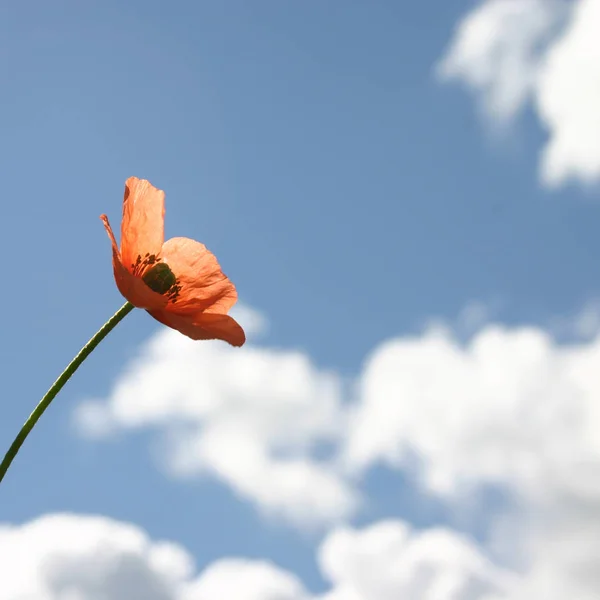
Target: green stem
59,383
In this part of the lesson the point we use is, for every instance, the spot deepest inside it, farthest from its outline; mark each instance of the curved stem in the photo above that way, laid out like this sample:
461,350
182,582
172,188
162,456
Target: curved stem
59,383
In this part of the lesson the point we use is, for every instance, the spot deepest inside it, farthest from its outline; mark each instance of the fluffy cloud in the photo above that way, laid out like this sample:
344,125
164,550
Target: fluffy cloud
252,417
511,408
67,557
496,52
567,99
245,580
388,560
543,52
74,557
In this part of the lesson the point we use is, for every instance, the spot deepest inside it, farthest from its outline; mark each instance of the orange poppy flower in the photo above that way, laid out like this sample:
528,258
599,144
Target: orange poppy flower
179,282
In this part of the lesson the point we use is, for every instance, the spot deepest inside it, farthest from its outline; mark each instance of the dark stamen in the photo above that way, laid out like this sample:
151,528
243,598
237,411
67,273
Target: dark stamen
157,275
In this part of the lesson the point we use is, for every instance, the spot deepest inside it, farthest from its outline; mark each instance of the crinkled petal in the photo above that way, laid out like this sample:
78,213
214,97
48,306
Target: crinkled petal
203,326
204,287
131,287
142,227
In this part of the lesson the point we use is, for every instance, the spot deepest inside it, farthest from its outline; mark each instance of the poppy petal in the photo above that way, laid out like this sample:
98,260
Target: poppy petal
203,326
131,287
142,227
204,287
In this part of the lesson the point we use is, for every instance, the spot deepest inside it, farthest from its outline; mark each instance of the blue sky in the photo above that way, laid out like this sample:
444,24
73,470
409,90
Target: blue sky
364,199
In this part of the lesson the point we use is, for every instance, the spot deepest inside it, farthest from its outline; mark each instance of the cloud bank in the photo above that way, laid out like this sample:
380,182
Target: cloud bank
511,407
80,557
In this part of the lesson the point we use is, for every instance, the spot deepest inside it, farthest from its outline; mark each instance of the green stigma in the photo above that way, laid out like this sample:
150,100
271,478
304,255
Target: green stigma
160,278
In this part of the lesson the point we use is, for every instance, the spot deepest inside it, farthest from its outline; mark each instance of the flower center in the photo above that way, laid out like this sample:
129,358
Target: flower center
157,275
159,278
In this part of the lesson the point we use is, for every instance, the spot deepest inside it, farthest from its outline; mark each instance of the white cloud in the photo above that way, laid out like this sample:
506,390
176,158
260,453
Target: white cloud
75,557
246,580
510,407
388,560
68,557
251,417
507,408
567,99
543,52
496,52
